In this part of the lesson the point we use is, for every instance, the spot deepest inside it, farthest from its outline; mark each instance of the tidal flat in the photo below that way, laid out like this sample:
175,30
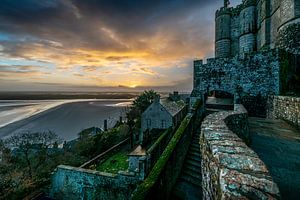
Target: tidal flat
64,117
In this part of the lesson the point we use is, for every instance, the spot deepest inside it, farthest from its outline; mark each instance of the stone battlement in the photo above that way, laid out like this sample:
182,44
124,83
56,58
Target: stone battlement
256,73
230,169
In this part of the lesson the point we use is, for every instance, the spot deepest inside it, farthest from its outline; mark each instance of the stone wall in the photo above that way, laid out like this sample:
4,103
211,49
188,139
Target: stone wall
289,38
258,24
230,169
284,107
163,176
253,74
78,183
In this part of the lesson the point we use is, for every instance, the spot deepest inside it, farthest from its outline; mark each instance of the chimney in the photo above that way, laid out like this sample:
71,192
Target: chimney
105,125
156,99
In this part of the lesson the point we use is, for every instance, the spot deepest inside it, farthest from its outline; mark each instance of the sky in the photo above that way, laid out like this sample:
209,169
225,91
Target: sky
104,45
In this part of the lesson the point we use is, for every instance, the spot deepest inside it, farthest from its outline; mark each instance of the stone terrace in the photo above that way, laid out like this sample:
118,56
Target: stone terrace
278,145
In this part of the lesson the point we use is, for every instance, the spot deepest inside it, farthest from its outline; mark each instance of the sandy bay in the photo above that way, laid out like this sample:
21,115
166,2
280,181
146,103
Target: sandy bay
66,119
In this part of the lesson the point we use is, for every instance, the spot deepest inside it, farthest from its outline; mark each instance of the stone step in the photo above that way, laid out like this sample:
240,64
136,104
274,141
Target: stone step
195,145
184,190
193,157
196,142
197,134
190,179
194,153
195,149
193,163
192,173
193,168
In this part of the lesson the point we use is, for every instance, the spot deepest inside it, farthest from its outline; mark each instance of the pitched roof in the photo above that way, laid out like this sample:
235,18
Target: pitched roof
173,107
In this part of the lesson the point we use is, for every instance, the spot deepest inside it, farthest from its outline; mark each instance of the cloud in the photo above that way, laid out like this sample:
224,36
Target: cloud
108,42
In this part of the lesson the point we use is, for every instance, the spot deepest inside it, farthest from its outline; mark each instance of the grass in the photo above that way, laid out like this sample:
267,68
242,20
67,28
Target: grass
115,163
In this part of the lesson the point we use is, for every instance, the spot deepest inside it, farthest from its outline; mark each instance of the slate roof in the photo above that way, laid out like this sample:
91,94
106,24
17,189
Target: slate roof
173,107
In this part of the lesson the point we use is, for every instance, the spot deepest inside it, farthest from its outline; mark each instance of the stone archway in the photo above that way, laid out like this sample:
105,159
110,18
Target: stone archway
219,99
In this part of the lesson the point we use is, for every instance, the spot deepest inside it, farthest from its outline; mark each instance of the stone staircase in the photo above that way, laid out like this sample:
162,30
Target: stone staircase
188,185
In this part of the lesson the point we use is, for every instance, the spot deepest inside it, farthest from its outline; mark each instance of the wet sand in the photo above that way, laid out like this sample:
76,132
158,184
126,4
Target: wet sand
69,119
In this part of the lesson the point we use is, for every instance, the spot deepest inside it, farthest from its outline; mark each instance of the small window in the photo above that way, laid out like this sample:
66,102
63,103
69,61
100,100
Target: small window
163,124
148,123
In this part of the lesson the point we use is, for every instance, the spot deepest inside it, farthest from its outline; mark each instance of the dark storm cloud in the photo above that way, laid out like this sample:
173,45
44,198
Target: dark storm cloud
87,24
143,43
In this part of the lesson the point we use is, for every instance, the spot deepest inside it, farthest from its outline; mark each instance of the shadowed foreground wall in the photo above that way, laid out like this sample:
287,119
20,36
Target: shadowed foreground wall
230,169
78,183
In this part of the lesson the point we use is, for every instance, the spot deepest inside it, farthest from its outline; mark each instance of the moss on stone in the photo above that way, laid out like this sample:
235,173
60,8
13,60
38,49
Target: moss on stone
144,188
197,104
158,141
115,163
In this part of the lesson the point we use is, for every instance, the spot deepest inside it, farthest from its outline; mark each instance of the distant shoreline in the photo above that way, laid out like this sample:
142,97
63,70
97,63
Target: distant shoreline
66,95
69,118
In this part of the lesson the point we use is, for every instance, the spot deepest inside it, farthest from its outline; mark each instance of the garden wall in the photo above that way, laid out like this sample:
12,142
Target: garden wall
78,183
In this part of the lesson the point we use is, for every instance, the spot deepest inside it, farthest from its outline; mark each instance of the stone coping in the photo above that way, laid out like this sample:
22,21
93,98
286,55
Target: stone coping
93,172
230,169
292,98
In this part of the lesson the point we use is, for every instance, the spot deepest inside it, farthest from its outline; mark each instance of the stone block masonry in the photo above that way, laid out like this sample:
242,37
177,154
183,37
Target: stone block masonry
254,74
254,25
230,169
284,107
78,183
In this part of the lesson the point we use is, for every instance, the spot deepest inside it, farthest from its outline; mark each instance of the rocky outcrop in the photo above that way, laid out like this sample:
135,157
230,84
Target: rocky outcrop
230,169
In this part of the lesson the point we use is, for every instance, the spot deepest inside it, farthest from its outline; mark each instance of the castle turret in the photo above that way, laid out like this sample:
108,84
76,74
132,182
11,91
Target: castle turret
289,28
247,40
222,37
263,24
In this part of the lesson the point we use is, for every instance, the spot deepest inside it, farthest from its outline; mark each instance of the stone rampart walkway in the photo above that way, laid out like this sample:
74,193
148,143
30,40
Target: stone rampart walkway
278,145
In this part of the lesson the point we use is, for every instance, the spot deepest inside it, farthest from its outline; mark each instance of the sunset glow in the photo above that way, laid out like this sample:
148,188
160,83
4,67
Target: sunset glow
98,45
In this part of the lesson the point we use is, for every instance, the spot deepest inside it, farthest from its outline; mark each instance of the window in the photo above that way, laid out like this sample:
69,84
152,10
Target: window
163,124
148,123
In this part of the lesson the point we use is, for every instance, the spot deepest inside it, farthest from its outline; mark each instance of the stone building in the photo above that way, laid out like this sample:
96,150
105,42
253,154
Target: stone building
255,25
162,114
257,49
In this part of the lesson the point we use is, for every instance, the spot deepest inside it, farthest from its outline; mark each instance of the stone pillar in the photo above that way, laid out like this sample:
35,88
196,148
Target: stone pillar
138,162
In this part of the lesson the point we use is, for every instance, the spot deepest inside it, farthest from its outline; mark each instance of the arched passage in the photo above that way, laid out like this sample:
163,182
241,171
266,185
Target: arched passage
219,99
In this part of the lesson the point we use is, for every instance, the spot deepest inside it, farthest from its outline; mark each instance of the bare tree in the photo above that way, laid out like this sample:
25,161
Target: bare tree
33,146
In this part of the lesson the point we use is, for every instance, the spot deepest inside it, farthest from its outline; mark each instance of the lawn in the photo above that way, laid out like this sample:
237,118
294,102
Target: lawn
115,163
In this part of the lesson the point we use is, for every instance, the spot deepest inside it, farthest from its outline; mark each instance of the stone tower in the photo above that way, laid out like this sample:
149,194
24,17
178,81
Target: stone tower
247,38
223,38
257,25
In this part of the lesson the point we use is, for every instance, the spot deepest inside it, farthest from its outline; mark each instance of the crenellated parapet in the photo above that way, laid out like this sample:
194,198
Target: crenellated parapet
256,73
